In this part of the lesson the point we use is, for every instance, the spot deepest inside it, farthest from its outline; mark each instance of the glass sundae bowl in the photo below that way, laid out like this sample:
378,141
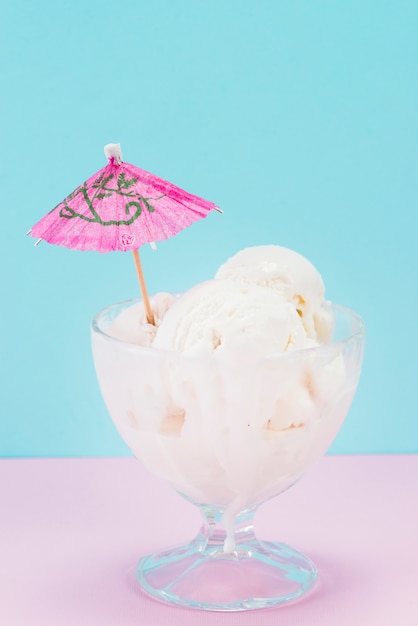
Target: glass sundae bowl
228,433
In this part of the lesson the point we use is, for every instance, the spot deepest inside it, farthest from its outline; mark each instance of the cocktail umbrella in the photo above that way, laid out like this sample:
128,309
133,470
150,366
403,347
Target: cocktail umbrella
121,207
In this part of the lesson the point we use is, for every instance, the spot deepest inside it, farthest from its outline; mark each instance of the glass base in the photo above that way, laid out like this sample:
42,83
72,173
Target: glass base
201,575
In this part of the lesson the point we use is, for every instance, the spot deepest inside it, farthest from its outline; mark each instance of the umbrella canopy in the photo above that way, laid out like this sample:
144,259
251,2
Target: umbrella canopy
121,207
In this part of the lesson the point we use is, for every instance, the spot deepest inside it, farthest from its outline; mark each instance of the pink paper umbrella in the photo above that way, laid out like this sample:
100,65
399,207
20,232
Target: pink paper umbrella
121,207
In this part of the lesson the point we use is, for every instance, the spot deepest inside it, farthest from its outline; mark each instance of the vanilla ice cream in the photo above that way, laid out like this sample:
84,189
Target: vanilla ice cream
132,325
243,382
222,315
290,275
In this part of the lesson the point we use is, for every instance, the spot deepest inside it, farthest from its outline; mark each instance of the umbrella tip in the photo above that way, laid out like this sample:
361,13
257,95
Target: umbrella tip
113,150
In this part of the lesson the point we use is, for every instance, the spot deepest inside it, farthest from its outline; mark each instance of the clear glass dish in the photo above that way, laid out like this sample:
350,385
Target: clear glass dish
228,434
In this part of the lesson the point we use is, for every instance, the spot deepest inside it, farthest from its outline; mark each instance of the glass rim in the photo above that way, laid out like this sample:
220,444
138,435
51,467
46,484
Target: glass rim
357,335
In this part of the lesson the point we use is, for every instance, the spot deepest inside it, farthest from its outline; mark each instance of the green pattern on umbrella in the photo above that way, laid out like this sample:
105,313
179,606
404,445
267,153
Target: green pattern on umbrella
103,190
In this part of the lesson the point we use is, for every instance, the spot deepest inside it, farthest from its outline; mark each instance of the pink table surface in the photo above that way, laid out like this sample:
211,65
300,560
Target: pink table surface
71,531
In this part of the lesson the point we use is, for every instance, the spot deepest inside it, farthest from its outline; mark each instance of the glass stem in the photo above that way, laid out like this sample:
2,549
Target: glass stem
219,534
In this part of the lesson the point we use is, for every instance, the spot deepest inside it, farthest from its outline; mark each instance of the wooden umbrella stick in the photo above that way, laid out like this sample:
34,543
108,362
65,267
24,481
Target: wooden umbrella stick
143,287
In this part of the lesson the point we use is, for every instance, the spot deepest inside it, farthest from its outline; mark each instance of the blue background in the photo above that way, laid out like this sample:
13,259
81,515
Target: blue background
298,118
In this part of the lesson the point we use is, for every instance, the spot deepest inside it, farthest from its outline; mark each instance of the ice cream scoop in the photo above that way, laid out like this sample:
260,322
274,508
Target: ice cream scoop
132,325
289,274
223,316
